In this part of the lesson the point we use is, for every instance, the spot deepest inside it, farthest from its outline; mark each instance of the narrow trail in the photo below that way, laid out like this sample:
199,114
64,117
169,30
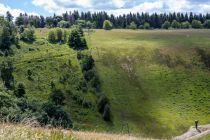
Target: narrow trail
193,133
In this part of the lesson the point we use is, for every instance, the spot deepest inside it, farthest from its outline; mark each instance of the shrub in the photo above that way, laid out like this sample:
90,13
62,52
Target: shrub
5,100
21,29
175,24
89,74
87,63
6,75
63,24
185,25
207,24
196,24
146,25
57,97
52,37
166,25
107,25
132,26
95,82
59,35
20,91
27,35
29,75
5,38
76,40
55,116
107,113
102,102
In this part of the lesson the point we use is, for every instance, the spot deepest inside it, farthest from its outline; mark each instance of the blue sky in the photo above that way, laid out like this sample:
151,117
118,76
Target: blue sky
48,7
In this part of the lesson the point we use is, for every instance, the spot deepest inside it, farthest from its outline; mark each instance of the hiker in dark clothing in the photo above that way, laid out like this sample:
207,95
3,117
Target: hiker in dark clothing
196,124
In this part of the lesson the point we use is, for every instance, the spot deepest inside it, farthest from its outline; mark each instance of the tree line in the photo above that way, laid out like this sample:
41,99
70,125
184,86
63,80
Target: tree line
96,20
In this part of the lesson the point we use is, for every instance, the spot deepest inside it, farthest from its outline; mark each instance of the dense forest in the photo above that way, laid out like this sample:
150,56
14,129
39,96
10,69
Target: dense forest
132,20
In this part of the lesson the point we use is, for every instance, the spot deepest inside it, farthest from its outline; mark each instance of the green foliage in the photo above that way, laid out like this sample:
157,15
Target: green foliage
20,91
132,26
77,40
51,36
21,29
101,104
87,63
166,25
59,34
185,25
90,25
19,21
6,74
28,35
175,24
5,38
56,116
9,16
63,24
146,25
57,97
207,24
107,113
5,100
107,25
196,24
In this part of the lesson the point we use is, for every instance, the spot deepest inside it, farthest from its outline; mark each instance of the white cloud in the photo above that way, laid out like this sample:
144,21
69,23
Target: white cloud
123,6
14,12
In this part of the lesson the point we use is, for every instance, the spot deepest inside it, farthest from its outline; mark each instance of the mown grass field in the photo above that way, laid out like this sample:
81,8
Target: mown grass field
155,81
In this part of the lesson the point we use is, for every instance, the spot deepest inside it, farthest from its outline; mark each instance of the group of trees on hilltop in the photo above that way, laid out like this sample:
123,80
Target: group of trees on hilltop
96,20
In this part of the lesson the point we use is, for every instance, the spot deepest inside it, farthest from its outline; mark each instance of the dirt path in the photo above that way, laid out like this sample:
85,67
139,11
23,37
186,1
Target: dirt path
194,133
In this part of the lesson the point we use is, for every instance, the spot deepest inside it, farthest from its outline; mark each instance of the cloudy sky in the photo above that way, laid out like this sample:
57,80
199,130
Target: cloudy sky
48,7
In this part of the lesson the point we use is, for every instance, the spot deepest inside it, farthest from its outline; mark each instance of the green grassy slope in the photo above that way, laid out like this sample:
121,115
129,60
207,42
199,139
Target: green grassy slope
58,64
154,79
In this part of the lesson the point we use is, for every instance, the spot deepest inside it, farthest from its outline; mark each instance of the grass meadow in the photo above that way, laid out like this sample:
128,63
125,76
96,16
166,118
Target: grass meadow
155,80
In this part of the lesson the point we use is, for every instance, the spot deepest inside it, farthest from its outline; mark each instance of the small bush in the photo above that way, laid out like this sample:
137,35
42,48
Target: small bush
6,75
5,100
27,35
132,26
196,24
166,25
52,37
87,63
146,25
107,113
59,35
56,116
107,25
89,74
175,24
185,25
102,102
20,91
207,24
76,40
57,97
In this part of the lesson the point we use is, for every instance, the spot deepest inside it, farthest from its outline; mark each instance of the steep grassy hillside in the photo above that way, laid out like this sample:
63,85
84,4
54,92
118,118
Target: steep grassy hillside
39,65
156,81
